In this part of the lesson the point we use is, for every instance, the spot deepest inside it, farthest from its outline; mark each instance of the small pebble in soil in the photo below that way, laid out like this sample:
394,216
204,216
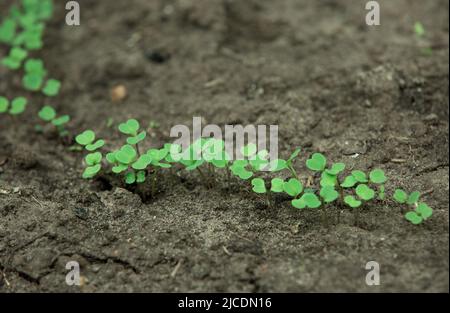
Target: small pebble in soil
118,93
81,213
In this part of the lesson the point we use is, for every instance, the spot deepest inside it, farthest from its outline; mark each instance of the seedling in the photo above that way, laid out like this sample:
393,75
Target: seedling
49,115
15,58
131,129
421,211
51,88
8,30
419,29
94,159
16,107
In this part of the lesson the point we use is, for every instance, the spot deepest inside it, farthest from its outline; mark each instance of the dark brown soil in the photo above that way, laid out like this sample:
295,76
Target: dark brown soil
332,84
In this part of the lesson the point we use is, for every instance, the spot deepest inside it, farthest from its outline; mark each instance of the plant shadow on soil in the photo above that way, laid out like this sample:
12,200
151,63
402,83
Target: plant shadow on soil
369,97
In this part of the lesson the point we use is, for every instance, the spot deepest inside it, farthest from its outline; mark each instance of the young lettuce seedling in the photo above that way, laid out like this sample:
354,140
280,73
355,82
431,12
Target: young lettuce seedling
16,107
8,30
421,210
15,58
94,159
48,114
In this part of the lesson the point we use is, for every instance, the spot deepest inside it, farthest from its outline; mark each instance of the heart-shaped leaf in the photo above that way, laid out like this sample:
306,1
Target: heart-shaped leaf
126,154
277,185
136,139
377,176
293,187
85,138
142,163
111,157
259,185
352,201
97,145
18,105
310,200
414,218
329,194
32,82
317,162
47,113
130,127
349,182
424,210
336,169
51,87
91,171
327,180
93,158
400,196
360,176
413,198
365,192
298,203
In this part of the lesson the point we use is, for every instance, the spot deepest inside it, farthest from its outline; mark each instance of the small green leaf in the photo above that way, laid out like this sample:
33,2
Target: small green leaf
400,196
259,185
140,177
311,201
414,218
277,165
377,176
61,120
293,187
18,105
413,198
93,158
130,127
142,163
4,104
419,29
51,87
352,201
130,178
349,182
365,192
126,154
381,192
277,185
136,139
84,139
329,194
294,155
111,157
360,176
35,66
327,180
97,145
47,113
238,168
91,171
317,162
32,82
424,210
119,168
336,169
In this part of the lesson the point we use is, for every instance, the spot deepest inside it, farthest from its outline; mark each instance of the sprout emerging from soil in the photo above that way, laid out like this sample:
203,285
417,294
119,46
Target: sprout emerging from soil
15,107
15,58
49,115
421,211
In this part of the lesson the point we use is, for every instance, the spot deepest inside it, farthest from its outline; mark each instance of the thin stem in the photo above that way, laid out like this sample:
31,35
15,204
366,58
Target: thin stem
154,179
294,173
204,177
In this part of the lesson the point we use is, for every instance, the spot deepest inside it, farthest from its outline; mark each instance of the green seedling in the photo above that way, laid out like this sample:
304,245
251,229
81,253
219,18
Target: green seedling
239,168
259,186
329,194
420,214
293,187
307,200
8,30
51,88
277,185
15,58
421,211
16,107
34,74
49,115
131,129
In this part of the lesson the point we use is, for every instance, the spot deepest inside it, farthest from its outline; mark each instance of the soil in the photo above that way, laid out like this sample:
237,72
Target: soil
367,96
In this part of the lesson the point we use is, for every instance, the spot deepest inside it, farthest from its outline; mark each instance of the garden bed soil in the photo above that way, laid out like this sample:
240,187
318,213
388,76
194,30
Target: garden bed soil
367,96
